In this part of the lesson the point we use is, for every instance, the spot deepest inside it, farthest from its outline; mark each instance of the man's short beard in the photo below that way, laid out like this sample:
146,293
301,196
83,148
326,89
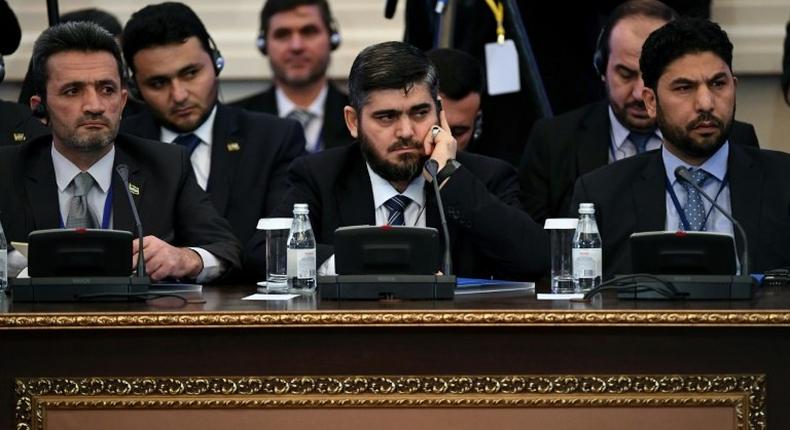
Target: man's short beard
409,167
680,137
314,76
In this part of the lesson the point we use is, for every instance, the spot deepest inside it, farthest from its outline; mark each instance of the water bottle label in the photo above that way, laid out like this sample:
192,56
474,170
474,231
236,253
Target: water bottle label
301,263
587,263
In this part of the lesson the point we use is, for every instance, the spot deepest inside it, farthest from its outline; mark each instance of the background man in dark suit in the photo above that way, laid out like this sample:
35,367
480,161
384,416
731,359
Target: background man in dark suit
562,148
297,36
690,90
461,89
67,179
241,158
393,114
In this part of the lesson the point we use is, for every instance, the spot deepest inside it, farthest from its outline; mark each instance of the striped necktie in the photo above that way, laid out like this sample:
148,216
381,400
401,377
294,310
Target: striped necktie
396,205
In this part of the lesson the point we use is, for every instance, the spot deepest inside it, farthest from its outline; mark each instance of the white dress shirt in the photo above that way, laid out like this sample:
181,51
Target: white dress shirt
101,171
313,132
620,146
201,156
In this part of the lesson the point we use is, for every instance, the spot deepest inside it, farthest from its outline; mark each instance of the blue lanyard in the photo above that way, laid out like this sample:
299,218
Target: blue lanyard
105,221
682,213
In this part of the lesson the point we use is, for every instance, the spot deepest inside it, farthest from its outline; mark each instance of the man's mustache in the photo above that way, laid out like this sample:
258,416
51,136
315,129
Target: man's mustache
705,117
405,144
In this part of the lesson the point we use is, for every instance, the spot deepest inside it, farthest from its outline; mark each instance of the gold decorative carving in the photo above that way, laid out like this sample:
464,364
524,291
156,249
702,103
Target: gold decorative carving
744,393
393,318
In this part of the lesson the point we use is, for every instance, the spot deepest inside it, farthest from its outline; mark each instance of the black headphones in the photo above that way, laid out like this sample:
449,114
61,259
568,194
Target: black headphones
334,37
217,60
2,68
40,111
601,52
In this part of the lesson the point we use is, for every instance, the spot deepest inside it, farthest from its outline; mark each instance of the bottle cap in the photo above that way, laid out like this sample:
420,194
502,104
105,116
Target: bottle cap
301,209
586,208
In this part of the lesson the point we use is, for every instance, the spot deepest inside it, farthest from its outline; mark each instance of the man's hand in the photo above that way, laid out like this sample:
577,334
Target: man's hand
439,143
163,260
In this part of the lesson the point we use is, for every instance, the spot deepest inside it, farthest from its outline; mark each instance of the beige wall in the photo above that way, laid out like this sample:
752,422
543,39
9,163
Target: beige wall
755,26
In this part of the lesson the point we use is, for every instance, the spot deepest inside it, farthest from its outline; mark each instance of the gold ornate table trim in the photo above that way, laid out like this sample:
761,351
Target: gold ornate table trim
745,394
393,319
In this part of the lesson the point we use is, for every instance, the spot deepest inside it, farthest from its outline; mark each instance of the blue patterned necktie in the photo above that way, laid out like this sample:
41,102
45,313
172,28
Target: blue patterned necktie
80,215
188,141
396,205
640,140
695,207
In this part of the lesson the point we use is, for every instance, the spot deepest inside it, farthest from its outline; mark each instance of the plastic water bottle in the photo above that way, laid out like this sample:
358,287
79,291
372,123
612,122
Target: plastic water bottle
587,255
301,252
3,261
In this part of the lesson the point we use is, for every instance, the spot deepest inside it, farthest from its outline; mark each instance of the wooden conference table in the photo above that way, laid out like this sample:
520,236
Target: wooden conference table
501,360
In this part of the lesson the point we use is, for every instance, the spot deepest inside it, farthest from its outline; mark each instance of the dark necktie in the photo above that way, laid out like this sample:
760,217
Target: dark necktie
80,215
396,205
188,141
640,140
695,208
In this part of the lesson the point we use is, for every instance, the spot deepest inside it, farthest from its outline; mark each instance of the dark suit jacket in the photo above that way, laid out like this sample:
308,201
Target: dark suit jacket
247,180
490,233
630,196
172,206
334,132
17,124
561,149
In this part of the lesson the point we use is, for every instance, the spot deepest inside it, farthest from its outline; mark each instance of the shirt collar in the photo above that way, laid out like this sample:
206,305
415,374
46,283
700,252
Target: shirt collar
285,105
383,190
716,165
204,132
65,170
620,133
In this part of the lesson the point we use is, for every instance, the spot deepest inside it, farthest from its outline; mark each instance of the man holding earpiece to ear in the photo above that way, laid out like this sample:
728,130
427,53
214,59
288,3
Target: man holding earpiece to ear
298,36
394,115
240,158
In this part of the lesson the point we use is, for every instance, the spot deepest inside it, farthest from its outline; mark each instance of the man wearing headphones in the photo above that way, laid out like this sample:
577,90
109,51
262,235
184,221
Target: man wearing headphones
239,157
561,149
298,36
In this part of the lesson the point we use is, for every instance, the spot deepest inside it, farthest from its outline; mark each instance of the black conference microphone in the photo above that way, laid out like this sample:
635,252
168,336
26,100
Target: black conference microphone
682,174
432,167
389,8
123,172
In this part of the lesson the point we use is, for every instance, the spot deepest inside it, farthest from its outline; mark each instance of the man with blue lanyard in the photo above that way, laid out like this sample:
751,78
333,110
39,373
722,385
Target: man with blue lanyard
68,179
690,91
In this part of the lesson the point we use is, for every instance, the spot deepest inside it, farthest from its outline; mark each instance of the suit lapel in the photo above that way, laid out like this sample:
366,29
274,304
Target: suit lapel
42,190
122,218
334,127
649,195
593,140
226,148
355,194
142,125
746,193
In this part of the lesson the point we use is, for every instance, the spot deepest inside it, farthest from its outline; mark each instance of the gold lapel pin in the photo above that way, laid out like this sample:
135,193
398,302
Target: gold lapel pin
134,189
233,146
19,137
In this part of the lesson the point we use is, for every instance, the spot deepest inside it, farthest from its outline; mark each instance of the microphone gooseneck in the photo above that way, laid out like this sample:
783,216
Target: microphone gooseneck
682,174
432,167
123,172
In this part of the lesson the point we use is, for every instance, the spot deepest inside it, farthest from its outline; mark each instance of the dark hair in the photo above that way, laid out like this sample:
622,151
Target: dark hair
162,24
459,73
71,36
683,36
273,7
649,8
389,66
104,19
